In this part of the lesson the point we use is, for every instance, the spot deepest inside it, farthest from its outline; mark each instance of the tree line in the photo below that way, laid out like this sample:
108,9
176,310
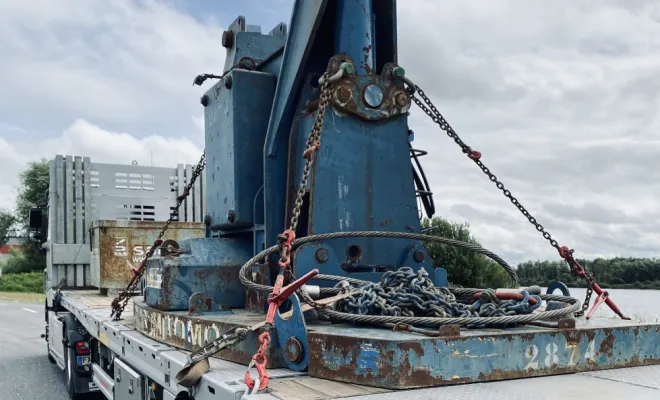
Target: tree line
614,273
469,269
464,267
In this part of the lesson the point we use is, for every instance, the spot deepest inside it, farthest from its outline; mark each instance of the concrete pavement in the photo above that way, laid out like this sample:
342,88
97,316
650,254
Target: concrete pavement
25,372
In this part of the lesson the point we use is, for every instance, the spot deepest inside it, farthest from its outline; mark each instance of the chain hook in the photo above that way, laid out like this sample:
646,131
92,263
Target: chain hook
258,362
472,154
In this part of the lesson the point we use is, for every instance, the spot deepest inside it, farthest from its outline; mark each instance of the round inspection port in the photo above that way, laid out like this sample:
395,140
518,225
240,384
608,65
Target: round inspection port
353,252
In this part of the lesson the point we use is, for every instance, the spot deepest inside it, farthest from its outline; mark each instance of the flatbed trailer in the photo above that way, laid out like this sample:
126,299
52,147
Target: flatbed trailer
141,362
313,191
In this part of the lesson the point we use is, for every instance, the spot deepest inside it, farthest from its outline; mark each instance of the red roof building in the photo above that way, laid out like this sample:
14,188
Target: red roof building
12,243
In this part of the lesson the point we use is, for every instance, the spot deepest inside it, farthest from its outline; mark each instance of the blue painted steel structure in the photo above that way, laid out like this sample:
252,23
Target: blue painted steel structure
381,358
257,123
264,105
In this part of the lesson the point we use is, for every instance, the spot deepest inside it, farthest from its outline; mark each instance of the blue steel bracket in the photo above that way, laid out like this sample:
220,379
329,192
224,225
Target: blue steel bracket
558,285
244,41
323,256
292,336
371,97
417,254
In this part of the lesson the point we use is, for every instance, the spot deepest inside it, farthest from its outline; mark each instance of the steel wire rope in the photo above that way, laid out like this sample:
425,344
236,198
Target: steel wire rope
463,293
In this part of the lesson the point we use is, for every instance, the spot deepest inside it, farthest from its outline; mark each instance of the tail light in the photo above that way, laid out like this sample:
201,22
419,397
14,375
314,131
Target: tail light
82,347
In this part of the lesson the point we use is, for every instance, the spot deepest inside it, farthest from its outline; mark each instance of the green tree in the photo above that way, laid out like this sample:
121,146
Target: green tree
7,222
35,180
464,267
34,183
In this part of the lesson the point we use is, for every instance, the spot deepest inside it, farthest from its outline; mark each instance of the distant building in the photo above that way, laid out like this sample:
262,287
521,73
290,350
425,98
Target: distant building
12,243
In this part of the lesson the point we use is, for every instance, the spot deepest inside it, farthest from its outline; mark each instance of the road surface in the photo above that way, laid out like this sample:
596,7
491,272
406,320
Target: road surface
25,372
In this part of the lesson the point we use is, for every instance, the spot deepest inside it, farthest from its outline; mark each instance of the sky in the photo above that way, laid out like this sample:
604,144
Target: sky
560,97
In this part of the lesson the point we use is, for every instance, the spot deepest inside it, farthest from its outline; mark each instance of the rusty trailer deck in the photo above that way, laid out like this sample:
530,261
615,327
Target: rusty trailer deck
608,343
398,360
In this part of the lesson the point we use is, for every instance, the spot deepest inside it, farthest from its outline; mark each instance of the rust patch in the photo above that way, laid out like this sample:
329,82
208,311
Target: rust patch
166,286
450,330
256,300
607,344
566,323
385,222
572,336
412,346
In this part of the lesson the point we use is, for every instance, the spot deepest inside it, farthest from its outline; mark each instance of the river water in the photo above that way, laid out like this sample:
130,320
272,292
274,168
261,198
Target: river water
640,305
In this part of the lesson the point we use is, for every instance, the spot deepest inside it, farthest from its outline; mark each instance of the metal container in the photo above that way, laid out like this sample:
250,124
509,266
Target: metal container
118,244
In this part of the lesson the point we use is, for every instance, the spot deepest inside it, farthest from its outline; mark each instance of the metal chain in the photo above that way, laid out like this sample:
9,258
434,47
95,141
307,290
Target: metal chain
407,293
312,146
475,156
229,338
120,302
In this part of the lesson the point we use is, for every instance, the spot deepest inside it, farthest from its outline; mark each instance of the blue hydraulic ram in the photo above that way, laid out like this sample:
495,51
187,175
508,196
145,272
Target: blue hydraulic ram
308,166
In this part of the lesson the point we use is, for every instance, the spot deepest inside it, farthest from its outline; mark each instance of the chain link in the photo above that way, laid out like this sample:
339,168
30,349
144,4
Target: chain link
120,302
312,146
475,156
405,292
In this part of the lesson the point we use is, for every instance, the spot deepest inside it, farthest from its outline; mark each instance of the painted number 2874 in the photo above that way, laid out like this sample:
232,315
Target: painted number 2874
551,355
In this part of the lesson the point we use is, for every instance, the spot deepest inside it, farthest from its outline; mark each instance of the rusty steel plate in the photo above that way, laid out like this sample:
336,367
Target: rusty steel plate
397,360
190,332
119,245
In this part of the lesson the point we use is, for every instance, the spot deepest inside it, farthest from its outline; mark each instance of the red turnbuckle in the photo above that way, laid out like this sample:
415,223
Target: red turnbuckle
275,299
602,298
578,270
280,294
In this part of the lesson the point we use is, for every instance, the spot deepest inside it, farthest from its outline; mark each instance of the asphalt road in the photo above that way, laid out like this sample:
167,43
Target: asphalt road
25,372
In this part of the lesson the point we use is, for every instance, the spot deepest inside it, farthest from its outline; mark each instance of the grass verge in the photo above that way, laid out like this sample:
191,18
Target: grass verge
27,287
36,298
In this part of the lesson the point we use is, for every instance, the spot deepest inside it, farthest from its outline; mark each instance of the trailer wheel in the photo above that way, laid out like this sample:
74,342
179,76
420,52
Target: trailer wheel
69,374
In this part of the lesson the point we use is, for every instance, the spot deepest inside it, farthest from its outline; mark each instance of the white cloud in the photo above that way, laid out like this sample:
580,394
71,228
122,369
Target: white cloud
560,97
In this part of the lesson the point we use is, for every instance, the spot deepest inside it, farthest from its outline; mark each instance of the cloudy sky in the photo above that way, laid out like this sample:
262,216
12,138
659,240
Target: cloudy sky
561,97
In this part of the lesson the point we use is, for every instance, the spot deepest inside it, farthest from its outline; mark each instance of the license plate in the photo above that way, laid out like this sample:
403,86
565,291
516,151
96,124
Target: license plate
83,360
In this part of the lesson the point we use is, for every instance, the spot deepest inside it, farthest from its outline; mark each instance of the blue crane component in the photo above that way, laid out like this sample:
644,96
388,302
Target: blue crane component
257,119
307,133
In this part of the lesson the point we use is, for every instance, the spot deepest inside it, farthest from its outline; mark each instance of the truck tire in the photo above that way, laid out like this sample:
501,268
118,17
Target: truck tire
69,375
